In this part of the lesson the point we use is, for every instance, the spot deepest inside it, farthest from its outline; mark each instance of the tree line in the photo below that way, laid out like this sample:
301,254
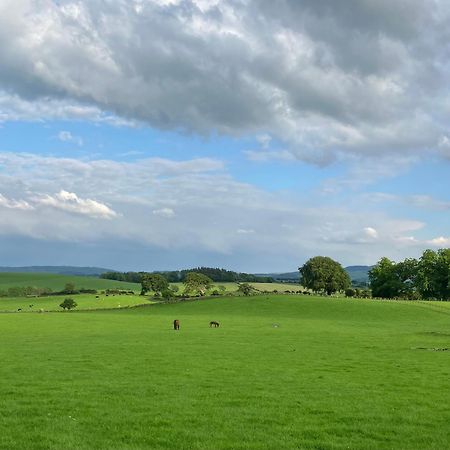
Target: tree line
425,278
34,291
215,274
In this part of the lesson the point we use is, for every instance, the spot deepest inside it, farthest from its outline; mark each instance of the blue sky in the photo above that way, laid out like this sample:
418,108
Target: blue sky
165,134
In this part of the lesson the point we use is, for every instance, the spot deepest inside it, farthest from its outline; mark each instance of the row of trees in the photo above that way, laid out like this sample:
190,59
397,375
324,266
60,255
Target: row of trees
215,274
427,278
28,291
194,284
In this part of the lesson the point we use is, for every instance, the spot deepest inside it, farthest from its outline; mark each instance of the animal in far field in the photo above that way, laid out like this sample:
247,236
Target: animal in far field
214,324
176,324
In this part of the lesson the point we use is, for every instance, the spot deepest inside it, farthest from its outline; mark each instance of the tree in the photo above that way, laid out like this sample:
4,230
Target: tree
390,280
68,303
433,274
322,273
196,283
154,282
69,288
246,289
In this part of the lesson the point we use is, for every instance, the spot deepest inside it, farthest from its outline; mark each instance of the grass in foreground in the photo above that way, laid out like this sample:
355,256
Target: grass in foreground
280,372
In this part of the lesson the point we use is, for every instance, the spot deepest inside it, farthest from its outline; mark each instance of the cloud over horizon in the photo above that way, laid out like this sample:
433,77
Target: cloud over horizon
189,207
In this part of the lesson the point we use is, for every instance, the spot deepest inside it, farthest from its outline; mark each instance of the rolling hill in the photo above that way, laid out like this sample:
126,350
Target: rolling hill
57,282
61,270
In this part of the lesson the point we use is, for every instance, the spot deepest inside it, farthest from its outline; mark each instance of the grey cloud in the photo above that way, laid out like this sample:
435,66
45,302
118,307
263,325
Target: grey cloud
326,78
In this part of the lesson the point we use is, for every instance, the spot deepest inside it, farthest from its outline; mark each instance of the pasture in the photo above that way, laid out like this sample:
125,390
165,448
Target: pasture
57,282
84,302
281,372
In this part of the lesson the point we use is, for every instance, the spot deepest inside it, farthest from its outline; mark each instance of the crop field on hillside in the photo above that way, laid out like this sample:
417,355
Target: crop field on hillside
281,372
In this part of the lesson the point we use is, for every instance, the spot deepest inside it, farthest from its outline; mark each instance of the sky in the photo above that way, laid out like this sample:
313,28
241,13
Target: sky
244,134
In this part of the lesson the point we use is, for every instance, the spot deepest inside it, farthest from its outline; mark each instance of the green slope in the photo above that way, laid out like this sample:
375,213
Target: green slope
57,282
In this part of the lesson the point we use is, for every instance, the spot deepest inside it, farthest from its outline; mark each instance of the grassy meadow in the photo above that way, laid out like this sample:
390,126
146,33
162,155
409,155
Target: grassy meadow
84,302
57,282
282,371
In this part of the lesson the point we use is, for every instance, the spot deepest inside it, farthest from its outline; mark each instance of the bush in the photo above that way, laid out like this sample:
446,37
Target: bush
349,292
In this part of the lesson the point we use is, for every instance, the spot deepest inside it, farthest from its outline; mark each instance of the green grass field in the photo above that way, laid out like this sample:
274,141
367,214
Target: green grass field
57,282
84,302
284,372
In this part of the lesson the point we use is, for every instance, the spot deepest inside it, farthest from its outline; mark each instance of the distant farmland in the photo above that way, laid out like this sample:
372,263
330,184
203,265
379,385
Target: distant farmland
57,282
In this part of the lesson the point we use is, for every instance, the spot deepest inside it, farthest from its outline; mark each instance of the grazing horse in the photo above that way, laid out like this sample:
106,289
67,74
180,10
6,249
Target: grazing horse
214,324
176,324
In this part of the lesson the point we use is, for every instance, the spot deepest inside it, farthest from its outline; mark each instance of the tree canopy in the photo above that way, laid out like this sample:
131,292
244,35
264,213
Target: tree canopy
427,278
68,303
196,283
322,273
154,282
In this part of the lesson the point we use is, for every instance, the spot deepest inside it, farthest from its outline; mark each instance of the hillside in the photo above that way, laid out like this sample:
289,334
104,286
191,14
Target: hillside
359,274
61,270
57,282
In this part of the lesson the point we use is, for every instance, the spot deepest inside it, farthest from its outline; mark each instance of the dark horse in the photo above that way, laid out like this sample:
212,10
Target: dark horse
214,324
176,324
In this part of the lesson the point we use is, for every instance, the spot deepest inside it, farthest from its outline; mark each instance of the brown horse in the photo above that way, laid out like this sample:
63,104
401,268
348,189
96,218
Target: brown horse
214,324
176,324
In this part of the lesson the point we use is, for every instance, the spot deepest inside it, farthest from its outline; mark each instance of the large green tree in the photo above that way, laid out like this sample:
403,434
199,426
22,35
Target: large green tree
433,274
384,279
322,273
196,283
154,282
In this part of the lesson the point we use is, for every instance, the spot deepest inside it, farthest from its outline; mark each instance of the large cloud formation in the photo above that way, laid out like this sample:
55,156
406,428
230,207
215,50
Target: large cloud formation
326,78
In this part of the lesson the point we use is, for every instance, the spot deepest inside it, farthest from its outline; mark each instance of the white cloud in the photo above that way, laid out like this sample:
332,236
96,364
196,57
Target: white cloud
67,136
167,213
244,231
371,232
14,204
440,241
69,201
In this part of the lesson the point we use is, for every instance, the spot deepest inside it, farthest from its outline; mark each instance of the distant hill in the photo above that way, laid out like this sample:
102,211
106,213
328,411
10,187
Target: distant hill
59,270
286,277
358,274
